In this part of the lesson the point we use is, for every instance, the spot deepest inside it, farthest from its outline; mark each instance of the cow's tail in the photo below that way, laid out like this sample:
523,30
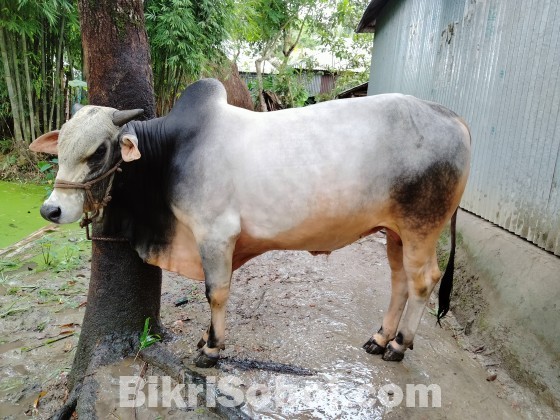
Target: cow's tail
446,285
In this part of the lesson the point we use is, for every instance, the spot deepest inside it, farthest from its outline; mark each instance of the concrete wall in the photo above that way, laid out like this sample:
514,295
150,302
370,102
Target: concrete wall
510,289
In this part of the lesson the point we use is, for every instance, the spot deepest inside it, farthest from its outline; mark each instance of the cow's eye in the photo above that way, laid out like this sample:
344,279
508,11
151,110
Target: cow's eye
100,152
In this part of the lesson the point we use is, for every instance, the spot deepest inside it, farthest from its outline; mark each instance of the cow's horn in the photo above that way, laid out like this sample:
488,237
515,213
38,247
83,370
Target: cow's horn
120,118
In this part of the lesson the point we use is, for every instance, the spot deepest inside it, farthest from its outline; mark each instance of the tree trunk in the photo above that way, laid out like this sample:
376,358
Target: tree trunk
258,67
11,90
116,54
237,92
123,290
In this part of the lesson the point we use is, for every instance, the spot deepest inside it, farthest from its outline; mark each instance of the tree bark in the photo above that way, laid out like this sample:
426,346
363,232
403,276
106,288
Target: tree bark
123,290
237,92
259,67
116,54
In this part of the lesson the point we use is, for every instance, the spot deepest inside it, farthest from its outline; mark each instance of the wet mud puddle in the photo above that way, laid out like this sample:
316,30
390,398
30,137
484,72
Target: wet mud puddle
315,313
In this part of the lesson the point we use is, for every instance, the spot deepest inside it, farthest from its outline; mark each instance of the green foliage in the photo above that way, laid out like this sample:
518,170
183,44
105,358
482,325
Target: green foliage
289,85
56,257
48,170
48,167
147,339
344,81
272,30
41,49
5,146
78,84
8,265
185,41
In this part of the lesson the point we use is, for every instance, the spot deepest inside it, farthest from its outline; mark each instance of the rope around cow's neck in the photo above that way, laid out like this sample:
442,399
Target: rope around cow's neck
90,202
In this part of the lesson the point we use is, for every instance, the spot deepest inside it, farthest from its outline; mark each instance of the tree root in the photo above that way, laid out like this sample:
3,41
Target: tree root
66,411
84,395
157,355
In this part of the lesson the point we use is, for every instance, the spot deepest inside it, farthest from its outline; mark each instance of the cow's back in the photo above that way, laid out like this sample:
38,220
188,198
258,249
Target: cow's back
320,177
298,174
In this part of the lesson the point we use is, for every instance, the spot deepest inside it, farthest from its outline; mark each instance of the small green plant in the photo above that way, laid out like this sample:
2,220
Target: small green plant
147,339
48,169
47,251
13,290
8,265
6,146
69,261
3,277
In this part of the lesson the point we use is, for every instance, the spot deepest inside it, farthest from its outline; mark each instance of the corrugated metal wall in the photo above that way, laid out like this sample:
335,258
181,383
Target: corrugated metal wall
496,63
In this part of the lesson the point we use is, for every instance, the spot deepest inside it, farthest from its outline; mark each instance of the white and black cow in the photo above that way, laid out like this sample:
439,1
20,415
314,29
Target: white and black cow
210,186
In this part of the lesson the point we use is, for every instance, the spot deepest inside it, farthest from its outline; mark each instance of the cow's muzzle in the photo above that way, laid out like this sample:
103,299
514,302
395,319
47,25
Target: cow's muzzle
90,203
51,213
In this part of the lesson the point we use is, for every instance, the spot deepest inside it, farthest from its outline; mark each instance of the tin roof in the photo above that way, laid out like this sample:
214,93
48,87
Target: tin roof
369,18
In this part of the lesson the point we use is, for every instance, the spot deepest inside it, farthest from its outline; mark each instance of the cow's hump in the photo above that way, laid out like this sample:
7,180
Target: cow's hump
201,94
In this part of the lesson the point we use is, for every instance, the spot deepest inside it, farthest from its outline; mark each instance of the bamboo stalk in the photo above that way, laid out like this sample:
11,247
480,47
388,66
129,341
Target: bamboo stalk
28,87
23,120
46,123
11,89
56,76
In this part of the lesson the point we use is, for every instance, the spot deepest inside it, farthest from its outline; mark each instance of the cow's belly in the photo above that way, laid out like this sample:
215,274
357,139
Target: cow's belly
318,233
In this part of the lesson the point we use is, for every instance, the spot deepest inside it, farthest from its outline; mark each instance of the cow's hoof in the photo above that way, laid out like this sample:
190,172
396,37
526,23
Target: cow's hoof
205,361
392,355
372,347
201,343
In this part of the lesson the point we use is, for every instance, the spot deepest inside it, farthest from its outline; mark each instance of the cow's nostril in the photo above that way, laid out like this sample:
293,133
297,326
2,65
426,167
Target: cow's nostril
51,213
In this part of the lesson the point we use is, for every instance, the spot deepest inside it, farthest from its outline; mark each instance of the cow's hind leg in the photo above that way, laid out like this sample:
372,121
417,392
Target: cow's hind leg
399,294
217,263
420,265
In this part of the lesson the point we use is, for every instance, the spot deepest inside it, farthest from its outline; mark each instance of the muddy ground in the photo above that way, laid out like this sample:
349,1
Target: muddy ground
286,307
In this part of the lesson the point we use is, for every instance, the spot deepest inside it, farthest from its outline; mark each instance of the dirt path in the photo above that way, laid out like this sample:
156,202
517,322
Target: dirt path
291,308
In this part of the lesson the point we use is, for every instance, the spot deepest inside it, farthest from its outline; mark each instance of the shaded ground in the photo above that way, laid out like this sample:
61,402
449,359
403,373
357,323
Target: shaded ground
285,307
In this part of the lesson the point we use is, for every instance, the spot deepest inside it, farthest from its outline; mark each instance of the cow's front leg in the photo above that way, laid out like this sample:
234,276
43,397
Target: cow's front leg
423,273
217,263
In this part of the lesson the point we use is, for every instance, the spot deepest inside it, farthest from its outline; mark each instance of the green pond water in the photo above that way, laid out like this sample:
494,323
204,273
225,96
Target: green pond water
19,211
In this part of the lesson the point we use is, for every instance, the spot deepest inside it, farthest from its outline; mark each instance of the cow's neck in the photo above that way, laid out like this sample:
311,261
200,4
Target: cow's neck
139,210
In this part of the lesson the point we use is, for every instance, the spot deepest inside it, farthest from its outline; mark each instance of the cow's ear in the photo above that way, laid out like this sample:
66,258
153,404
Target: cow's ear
47,143
129,148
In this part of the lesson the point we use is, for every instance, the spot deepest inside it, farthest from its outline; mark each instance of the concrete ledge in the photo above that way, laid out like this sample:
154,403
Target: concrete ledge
509,291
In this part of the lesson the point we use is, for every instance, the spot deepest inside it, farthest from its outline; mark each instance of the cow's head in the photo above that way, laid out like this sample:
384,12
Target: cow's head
87,147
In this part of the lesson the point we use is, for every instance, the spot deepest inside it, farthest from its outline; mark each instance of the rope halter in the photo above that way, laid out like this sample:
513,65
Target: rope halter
89,201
